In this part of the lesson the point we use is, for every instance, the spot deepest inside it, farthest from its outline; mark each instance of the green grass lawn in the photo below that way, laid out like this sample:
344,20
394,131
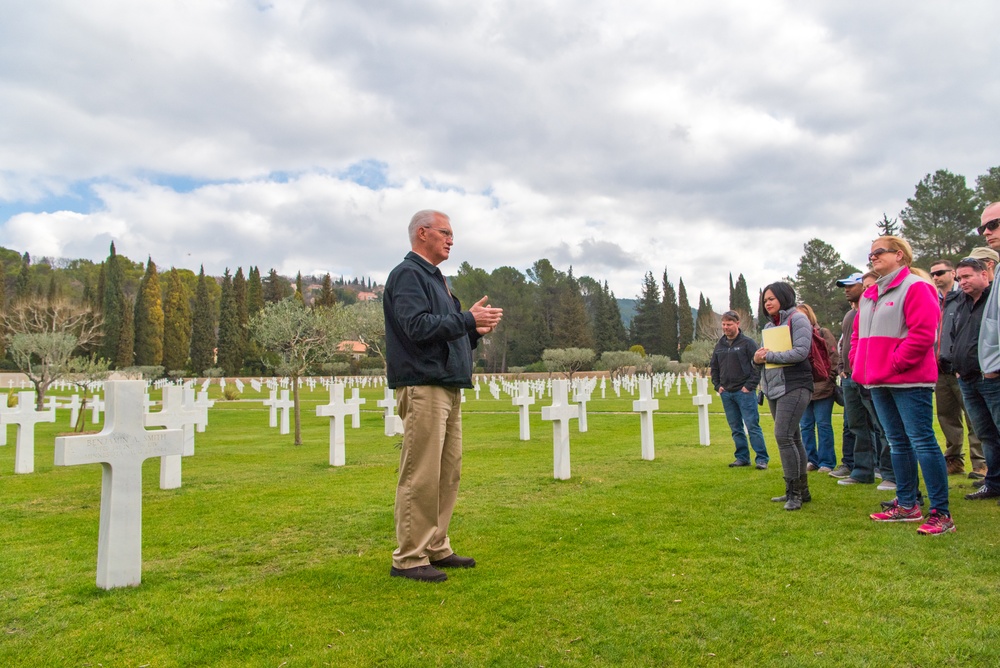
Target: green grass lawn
267,556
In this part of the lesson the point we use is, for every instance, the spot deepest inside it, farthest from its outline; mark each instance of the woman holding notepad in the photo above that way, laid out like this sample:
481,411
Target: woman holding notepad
787,382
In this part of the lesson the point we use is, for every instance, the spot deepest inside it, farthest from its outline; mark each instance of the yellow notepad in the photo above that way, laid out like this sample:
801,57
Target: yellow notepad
778,339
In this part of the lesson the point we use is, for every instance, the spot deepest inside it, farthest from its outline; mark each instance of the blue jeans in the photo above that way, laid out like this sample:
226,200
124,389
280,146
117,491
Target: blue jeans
817,418
883,457
982,403
907,416
741,409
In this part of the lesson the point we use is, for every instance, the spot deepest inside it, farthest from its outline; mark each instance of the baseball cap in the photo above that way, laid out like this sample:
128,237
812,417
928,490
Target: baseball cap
853,279
985,253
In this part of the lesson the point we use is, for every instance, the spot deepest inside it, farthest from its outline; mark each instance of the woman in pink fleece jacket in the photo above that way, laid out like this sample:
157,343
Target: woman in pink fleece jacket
892,352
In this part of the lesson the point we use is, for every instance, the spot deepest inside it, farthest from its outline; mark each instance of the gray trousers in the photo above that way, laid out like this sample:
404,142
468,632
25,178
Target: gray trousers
787,410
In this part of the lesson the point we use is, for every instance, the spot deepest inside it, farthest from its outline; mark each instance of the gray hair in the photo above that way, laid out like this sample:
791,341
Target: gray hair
423,218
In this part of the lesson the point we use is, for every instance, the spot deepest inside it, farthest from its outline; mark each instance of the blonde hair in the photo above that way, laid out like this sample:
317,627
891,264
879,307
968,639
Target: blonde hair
808,310
897,244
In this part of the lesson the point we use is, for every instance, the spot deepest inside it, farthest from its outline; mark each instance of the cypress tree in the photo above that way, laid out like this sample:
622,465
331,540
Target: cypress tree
255,292
113,307
202,328
685,319
22,286
229,329
572,325
327,297
300,295
125,354
149,319
176,324
242,315
670,319
648,318
53,292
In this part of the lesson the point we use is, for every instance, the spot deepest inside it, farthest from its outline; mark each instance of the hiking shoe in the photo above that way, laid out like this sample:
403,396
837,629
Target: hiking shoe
984,492
841,471
851,481
897,513
886,486
977,474
738,463
889,504
979,483
811,467
761,466
956,467
936,524
419,573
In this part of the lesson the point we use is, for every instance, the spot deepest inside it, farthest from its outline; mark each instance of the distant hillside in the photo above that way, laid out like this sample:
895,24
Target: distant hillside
627,308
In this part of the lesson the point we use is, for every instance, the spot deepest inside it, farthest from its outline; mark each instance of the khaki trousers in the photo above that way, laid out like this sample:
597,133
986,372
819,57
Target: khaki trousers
430,467
950,411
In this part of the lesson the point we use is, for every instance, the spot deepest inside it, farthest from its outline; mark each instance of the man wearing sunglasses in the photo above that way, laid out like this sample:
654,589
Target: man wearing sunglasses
989,330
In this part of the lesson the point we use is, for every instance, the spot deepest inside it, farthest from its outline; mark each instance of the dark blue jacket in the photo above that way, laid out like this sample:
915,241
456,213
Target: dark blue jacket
428,338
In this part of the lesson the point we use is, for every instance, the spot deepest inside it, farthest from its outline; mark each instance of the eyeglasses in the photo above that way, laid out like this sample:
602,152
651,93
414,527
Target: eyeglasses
940,272
447,234
879,251
991,226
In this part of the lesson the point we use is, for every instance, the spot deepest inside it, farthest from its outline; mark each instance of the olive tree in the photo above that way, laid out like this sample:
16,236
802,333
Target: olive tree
567,360
296,339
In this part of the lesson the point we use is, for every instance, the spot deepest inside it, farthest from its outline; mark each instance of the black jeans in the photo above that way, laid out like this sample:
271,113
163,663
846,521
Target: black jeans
787,410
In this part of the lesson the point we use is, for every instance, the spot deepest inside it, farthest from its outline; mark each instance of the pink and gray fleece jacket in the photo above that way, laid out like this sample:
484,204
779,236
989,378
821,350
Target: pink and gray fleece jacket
894,335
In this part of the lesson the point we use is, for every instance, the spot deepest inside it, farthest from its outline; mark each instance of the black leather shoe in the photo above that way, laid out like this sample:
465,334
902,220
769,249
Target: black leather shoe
454,561
738,463
419,573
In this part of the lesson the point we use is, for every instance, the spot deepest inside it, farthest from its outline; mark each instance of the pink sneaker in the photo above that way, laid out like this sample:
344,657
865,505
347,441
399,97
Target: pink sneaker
936,524
897,513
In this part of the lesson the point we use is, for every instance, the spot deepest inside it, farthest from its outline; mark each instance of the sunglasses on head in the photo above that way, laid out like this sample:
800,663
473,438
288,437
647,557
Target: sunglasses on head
991,226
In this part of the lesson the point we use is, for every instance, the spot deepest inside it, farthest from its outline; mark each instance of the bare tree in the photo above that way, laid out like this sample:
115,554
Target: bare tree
42,337
365,322
86,373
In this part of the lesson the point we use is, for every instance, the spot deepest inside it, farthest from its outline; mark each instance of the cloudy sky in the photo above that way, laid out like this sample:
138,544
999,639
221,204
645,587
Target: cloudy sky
618,138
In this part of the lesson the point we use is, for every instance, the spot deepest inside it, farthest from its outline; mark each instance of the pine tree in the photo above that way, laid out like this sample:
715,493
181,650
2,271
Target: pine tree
685,319
670,340
648,318
113,308
276,288
940,219
887,227
176,324
149,319
202,328
573,328
230,360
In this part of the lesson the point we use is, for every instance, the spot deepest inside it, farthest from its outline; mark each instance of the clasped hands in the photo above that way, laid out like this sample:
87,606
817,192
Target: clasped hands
487,317
761,355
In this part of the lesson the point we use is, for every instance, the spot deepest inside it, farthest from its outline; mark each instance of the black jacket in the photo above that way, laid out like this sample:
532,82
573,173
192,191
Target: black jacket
732,364
949,305
965,336
428,338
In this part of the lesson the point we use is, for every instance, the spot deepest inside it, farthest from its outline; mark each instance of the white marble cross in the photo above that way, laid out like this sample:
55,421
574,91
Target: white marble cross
4,411
74,409
203,403
120,449
272,403
581,396
26,417
337,410
645,406
702,400
96,408
175,415
560,413
393,423
356,415
284,404
523,400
